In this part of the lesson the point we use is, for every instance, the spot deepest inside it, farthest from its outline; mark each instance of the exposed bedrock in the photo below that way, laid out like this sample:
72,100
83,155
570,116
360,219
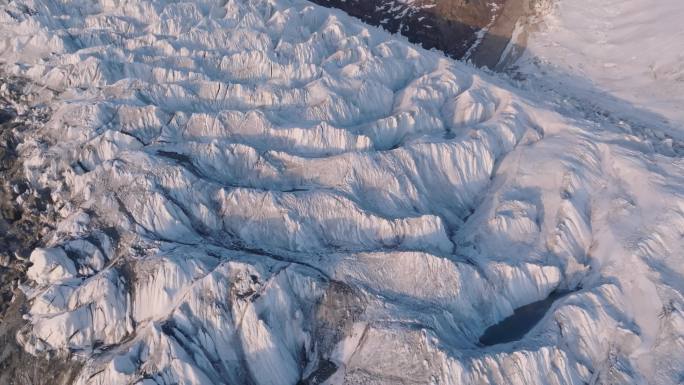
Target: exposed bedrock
490,33
450,26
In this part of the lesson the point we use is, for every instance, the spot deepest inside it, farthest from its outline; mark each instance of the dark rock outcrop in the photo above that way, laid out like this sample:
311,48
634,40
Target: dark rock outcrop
447,25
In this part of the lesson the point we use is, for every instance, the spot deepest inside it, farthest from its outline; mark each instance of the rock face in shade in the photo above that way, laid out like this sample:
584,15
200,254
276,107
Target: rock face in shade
270,192
450,26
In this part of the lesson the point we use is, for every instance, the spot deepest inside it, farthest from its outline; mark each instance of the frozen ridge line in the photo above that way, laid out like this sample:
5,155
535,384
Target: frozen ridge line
270,192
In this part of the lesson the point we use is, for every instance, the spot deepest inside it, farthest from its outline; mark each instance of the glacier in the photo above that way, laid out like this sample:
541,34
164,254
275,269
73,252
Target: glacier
626,51
271,192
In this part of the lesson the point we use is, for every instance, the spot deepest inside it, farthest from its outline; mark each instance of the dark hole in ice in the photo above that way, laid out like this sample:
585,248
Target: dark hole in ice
6,116
524,318
325,369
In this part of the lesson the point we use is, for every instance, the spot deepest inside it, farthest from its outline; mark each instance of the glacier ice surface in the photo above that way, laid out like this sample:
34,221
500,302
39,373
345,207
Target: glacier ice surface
258,191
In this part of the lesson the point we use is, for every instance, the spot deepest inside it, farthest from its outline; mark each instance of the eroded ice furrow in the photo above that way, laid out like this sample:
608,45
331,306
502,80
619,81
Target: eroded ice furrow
267,191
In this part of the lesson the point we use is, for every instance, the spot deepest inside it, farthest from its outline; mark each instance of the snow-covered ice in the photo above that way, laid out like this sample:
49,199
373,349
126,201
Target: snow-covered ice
256,191
631,51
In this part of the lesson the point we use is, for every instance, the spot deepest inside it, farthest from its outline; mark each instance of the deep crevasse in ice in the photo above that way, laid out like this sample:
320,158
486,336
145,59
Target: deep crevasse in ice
252,189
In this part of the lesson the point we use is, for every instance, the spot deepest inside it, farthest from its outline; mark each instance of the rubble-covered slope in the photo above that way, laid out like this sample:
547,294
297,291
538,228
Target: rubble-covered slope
271,192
